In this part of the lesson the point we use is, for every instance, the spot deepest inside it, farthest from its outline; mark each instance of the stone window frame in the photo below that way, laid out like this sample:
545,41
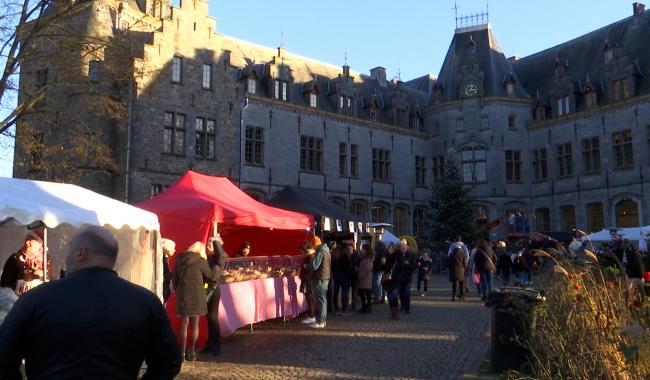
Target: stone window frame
474,164
343,159
206,76
437,167
420,171
280,90
540,164
485,123
591,154
381,165
568,219
623,149
595,216
205,137
542,219
177,69
251,86
460,124
313,99
254,146
354,161
512,122
419,220
513,166
564,158
174,133
311,154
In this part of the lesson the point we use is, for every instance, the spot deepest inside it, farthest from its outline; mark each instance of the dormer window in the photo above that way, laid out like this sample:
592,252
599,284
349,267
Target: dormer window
341,102
620,89
251,86
416,123
280,90
590,99
563,106
437,93
510,88
540,113
313,100
372,111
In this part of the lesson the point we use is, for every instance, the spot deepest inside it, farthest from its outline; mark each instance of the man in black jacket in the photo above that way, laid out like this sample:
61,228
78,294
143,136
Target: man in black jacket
217,258
91,324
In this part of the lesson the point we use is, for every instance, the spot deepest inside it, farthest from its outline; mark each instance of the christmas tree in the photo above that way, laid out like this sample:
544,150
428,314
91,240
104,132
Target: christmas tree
451,209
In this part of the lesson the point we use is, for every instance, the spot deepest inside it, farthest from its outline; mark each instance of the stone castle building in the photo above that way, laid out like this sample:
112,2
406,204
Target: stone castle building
562,135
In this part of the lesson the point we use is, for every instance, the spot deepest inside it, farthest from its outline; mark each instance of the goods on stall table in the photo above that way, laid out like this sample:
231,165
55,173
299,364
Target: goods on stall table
260,267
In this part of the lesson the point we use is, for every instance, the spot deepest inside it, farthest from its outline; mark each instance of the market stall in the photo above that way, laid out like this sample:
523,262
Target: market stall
331,221
196,205
62,209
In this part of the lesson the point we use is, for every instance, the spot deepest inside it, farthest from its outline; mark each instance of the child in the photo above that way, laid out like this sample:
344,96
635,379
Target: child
425,266
364,278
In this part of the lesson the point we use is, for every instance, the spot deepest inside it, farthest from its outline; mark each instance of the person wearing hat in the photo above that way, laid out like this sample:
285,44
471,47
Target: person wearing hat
244,250
320,266
24,269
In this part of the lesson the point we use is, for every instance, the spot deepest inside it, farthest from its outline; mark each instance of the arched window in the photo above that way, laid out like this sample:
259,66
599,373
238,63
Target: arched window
474,163
627,214
400,220
595,217
419,219
359,208
380,212
338,201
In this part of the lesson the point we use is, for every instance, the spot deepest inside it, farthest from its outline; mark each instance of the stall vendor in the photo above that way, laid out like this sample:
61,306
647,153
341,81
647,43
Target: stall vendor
244,250
24,269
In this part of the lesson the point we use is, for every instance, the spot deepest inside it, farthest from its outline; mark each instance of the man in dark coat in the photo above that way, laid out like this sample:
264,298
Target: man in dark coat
457,262
484,260
89,325
217,260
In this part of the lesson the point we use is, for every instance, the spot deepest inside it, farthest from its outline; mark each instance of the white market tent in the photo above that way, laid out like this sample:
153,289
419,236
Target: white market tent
63,209
631,233
389,237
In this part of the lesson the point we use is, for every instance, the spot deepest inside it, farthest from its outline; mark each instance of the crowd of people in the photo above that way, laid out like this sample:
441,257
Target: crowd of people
336,275
93,316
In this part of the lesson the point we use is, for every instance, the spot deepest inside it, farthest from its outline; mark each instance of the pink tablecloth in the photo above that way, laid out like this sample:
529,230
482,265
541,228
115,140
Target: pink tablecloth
246,302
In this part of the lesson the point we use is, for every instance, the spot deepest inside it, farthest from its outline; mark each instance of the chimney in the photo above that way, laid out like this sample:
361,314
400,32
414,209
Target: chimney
379,73
638,8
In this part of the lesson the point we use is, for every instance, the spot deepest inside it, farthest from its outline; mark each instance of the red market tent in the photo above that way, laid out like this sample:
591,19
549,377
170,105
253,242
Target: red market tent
188,210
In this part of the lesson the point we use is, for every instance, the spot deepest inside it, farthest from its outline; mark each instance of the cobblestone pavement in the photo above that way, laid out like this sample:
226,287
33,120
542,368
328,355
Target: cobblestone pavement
440,339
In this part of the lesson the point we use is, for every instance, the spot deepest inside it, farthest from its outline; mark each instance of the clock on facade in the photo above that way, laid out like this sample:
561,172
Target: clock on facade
471,89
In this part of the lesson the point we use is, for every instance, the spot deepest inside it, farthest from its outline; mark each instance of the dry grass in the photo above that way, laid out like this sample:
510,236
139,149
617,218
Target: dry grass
593,325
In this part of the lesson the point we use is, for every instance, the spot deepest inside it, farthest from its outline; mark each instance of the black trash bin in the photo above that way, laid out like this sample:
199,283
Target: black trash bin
513,318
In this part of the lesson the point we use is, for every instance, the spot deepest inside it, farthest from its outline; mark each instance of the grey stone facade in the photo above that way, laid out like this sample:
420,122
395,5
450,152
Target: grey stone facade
496,113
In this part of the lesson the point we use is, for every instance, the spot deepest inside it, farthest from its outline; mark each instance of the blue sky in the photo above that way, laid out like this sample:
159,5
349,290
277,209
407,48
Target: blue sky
407,37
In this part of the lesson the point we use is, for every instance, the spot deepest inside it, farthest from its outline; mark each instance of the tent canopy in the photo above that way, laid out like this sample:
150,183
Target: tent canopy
63,209
24,201
630,233
188,209
312,203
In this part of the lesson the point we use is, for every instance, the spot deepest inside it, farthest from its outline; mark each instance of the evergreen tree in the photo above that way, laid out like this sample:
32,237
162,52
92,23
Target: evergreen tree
451,209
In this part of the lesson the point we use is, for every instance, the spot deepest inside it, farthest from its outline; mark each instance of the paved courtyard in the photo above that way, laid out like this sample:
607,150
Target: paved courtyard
440,339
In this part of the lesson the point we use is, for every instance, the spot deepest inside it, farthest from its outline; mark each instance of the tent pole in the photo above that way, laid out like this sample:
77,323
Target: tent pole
44,254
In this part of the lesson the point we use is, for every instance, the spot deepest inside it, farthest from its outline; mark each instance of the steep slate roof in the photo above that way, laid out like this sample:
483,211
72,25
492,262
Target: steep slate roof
488,55
585,56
